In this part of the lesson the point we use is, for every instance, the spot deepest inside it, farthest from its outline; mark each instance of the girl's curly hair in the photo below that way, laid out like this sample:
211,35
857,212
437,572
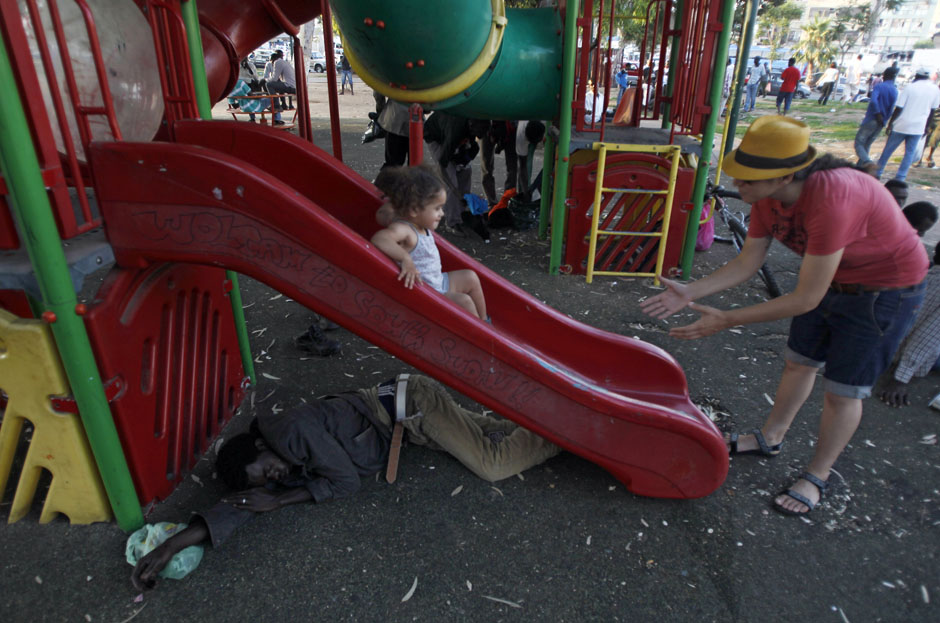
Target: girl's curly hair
409,188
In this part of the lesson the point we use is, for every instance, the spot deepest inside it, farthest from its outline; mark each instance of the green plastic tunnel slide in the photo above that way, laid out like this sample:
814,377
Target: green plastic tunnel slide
474,58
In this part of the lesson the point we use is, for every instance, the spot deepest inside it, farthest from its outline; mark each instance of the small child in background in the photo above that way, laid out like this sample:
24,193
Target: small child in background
415,198
922,215
898,190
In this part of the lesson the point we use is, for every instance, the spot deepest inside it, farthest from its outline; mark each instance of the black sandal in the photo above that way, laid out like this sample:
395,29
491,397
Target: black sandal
819,483
763,449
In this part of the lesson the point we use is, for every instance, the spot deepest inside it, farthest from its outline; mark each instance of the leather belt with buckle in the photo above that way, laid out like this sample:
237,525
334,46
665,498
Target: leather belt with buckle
398,431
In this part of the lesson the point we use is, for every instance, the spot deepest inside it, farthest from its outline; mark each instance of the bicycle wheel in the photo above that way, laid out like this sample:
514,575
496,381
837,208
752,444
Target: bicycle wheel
740,233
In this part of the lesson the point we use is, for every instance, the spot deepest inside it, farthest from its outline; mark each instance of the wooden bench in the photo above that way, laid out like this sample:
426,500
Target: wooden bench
235,112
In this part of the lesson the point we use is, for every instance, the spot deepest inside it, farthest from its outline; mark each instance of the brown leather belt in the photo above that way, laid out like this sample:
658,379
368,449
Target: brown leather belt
857,288
394,450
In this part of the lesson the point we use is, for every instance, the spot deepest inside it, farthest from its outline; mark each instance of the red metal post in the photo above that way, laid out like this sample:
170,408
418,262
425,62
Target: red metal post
335,135
415,135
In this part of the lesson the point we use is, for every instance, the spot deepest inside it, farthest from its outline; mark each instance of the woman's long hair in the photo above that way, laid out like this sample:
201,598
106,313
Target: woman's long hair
824,163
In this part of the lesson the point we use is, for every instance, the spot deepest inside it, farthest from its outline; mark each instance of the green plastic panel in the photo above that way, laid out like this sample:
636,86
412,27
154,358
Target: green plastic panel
440,38
526,79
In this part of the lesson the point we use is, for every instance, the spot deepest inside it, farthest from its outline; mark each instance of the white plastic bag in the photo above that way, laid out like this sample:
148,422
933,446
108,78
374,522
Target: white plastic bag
146,539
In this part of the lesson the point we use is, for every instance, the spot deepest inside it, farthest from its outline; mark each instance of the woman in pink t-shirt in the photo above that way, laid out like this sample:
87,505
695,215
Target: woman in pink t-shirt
859,287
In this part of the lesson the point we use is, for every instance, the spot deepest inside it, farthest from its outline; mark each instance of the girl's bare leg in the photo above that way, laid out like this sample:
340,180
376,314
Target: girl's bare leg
467,282
463,300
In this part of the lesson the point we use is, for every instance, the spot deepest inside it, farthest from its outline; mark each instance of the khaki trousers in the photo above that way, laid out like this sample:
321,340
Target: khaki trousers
446,426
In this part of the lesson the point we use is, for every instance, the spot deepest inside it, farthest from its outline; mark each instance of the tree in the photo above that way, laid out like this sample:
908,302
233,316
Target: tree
851,22
816,46
925,44
774,24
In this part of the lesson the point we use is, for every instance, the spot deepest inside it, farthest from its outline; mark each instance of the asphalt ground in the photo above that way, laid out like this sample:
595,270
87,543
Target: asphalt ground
564,542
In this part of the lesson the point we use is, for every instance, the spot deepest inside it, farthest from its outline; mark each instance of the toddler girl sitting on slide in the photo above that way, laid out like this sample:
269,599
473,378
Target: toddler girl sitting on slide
415,198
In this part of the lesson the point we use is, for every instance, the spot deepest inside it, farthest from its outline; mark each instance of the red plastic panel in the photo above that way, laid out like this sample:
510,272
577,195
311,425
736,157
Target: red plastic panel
625,406
167,332
8,238
629,213
15,302
691,101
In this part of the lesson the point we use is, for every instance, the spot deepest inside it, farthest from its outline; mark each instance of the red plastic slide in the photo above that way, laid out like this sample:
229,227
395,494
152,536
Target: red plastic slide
303,227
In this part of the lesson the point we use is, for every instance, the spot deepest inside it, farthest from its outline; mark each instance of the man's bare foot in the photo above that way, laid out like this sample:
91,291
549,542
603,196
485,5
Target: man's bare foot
894,394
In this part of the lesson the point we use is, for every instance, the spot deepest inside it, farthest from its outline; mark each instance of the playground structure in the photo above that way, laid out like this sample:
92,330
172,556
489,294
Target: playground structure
153,364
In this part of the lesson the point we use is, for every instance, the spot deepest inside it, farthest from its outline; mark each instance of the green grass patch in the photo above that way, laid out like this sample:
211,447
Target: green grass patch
823,130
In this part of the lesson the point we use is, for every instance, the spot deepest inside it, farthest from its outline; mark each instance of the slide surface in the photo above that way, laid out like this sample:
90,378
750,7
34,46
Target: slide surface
303,226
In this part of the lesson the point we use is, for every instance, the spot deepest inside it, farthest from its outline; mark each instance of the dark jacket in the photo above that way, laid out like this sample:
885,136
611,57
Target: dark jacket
331,443
453,133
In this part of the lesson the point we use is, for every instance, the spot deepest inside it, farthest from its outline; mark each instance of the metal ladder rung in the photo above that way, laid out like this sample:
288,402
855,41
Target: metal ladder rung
635,191
604,232
619,274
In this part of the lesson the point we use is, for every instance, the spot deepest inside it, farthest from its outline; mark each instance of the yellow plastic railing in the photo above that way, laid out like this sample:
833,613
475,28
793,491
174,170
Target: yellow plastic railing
672,152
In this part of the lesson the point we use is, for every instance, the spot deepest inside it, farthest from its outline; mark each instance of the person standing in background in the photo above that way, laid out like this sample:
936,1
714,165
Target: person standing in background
852,80
754,74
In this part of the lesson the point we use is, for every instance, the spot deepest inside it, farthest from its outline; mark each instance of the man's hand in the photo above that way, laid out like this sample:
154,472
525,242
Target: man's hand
712,321
257,500
667,303
144,576
147,568
894,394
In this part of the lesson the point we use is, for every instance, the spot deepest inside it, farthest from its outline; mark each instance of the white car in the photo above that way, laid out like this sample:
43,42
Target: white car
317,62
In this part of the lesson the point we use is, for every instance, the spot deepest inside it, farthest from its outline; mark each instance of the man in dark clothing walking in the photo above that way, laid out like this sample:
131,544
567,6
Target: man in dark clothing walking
318,452
347,74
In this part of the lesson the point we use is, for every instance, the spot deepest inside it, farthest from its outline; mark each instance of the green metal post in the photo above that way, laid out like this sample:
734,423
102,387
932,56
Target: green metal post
744,52
673,60
197,60
30,204
548,166
201,85
708,137
560,192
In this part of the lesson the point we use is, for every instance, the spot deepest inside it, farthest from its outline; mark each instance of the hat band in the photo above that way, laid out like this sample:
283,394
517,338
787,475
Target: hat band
760,162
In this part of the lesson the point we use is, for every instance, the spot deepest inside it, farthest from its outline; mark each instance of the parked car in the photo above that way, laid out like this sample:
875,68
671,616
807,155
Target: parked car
802,91
317,62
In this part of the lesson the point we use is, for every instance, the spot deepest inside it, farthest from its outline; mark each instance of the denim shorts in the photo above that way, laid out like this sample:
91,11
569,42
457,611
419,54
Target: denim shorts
853,336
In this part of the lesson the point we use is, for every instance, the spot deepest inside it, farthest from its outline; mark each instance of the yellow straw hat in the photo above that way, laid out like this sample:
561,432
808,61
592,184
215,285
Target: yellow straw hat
772,147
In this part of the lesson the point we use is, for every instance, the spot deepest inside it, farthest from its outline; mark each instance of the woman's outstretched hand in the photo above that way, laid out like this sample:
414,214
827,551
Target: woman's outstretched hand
712,321
675,297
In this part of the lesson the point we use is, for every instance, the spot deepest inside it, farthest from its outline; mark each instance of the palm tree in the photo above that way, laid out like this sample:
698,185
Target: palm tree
816,45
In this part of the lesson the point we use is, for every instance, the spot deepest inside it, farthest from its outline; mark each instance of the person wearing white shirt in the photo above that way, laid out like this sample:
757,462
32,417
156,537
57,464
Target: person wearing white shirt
852,80
282,78
909,122
754,74
827,83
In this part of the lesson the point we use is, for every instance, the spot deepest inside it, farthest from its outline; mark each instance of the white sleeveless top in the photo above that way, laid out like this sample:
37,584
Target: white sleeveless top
427,258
